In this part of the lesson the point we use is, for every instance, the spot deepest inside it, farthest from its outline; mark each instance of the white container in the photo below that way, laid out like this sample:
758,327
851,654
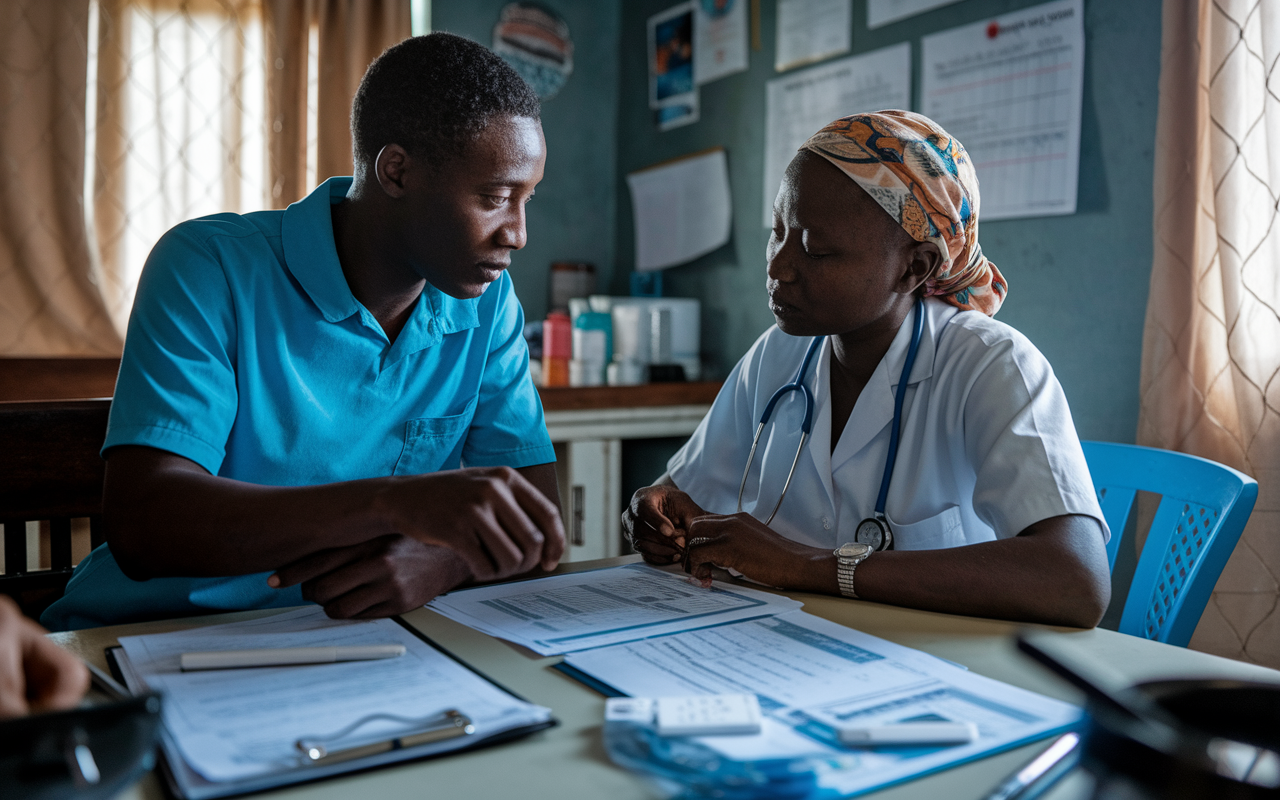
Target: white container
686,322
577,305
659,335
627,373
589,345
631,333
586,373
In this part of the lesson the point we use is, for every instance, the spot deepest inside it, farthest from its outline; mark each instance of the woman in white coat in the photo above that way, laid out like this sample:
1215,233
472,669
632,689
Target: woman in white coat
988,507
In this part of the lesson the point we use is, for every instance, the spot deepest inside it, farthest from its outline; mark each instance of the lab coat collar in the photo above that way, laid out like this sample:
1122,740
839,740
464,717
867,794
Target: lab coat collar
820,434
874,409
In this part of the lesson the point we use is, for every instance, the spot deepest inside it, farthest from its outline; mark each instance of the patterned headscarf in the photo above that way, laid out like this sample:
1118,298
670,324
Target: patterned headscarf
924,179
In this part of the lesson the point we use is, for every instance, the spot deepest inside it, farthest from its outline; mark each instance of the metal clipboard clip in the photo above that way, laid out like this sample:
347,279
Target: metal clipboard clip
448,724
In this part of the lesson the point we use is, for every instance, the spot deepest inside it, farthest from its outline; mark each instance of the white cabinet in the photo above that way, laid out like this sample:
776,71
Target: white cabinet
589,467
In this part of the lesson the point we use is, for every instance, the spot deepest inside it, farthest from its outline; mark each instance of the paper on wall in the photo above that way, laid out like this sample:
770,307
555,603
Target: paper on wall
811,30
682,210
1010,90
719,39
882,12
682,110
671,55
799,105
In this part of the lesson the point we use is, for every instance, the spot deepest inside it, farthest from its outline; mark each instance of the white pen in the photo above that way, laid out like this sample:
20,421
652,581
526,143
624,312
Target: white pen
285,656
908,733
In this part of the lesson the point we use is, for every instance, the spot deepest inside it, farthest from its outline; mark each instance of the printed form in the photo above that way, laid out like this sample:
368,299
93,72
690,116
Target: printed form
683,209
1010,90
566,613
810,675
238,723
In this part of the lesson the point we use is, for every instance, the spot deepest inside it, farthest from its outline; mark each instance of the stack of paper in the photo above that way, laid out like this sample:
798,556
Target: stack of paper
812,675
566,613
642,632
233,731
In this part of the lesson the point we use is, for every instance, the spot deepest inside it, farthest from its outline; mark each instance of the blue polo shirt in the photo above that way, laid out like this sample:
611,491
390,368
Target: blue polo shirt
248,354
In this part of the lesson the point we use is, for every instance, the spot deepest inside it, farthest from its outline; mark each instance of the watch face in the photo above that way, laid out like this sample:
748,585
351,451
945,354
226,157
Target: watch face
871,532
853,550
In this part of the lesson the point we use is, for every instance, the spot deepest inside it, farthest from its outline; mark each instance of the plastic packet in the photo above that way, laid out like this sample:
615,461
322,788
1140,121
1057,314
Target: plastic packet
684,767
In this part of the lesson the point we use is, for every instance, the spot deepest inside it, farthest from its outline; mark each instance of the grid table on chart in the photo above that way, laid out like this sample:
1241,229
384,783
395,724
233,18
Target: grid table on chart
1015,105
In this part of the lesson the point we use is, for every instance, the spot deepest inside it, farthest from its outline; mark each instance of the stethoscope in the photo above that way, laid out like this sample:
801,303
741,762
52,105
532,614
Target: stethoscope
873,530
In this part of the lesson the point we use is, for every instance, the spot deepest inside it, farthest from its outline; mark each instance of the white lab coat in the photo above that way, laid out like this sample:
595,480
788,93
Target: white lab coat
987,445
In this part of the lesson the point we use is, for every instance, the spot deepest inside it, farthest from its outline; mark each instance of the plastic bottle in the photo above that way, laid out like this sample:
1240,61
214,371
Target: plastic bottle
557,349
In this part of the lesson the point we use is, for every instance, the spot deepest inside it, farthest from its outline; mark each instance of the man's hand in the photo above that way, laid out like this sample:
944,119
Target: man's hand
379,578
743,543
35,674
657,522
492,517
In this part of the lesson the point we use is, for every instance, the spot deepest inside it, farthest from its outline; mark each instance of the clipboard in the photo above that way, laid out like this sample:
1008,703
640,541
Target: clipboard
184,783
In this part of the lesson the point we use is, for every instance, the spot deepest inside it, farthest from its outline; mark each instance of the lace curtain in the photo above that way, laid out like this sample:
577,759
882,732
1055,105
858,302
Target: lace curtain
1211,347
178,126
50,302
179,108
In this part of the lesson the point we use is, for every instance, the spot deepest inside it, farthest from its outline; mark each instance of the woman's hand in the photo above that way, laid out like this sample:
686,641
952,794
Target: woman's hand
656,523
743,543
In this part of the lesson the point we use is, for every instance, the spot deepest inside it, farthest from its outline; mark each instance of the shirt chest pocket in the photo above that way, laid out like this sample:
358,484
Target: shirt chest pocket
432,444
932,533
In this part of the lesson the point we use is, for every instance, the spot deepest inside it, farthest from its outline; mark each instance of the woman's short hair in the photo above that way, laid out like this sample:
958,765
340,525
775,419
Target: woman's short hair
433,95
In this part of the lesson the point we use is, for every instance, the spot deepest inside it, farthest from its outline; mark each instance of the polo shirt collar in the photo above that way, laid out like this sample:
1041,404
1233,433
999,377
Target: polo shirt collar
435,315
312,258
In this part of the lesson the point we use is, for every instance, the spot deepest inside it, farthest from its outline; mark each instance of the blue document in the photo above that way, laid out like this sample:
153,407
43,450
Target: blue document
813,676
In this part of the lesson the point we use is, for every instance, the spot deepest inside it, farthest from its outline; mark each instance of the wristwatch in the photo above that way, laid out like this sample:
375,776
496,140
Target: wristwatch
848,557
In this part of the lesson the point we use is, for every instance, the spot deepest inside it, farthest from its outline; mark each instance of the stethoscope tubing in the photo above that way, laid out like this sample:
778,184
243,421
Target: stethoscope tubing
806,425
898,397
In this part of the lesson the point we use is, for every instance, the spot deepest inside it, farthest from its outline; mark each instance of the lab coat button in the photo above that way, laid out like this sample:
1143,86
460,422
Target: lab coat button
826,524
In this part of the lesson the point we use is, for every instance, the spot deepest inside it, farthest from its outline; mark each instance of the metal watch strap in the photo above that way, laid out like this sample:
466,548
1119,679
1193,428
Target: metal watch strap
844,574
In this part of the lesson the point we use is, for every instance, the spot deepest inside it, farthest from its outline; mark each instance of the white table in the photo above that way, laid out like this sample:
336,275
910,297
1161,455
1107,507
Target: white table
569,761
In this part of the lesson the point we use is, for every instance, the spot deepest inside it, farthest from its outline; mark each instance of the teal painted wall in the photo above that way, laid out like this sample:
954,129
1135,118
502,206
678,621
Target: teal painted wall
573,215
1078,284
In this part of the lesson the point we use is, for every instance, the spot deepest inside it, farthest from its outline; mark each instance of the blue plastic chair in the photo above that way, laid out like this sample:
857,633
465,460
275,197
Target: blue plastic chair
1203,508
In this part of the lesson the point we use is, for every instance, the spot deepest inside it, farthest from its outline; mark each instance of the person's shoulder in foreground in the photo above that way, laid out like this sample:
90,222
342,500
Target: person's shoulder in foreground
300,388
875,225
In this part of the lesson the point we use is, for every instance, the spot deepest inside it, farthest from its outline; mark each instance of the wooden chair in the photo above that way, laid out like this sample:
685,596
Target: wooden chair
50,471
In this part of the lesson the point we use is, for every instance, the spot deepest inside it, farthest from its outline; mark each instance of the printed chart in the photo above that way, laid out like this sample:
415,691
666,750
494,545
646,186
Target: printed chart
1010,90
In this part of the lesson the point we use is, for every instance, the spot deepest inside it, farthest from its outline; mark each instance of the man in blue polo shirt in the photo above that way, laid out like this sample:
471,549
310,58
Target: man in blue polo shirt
300,389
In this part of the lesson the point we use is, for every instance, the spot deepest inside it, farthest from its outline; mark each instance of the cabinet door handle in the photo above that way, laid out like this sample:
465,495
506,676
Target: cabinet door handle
578,509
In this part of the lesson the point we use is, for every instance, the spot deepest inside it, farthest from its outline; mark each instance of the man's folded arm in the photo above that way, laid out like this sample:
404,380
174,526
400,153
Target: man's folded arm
167,516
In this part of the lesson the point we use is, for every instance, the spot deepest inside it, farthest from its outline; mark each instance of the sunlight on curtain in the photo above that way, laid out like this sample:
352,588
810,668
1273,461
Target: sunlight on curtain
50,304
313,104
179,129
1211,345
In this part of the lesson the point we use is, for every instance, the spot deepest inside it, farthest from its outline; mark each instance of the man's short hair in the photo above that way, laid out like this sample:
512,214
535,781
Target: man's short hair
433,95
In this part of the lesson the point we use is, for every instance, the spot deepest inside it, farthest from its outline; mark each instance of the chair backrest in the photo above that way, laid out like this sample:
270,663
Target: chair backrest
1203,509
50,471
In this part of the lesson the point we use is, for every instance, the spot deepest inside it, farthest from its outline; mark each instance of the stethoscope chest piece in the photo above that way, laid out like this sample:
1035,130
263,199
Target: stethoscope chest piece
874,532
